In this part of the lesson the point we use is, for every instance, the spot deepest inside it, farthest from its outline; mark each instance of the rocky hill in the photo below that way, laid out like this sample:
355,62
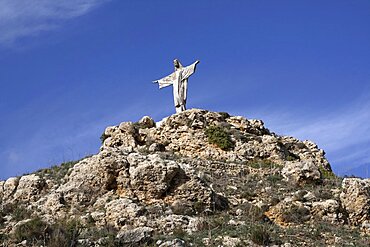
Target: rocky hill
197,178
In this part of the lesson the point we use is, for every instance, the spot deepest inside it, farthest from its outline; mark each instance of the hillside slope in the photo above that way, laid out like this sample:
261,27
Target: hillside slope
198,178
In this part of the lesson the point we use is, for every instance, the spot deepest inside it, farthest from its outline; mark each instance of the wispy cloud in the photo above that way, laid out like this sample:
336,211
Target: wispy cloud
21,18
343,133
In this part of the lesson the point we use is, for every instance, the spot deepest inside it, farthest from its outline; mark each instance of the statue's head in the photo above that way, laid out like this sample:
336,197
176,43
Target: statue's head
176,63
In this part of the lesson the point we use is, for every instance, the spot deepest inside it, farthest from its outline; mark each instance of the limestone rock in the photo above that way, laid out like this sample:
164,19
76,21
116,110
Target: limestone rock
152,177
355,198
120,211
289,212
147,122
171,222
231,242
329,210
92,177
172,243
184,134
2,189
123,135
169,179
135,237
10,186
156,147
301,172
28,187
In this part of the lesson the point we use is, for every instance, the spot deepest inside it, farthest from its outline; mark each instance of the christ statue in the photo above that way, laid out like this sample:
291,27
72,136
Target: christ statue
179,81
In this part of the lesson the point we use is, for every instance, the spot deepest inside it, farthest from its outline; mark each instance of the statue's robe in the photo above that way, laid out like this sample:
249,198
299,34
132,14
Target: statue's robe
179,80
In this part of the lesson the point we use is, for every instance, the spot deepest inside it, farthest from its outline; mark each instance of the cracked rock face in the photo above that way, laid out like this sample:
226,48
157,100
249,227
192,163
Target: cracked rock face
301,172
29,186
151,178
355,198
9,187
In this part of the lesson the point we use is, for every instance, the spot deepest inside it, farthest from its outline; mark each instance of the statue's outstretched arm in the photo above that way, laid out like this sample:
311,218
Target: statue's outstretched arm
189,70
166,81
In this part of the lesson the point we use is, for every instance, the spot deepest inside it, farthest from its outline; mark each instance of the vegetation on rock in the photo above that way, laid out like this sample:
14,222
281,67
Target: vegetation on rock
220,137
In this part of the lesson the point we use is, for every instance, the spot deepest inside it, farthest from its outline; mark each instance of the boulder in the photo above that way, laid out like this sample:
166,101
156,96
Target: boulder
135,237
93,177
329,210
301,172
9,187
121,211
355,198
289,212
29,187
146,122
151,176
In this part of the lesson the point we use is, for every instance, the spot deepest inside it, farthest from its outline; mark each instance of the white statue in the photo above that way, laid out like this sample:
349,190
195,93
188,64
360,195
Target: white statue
179,80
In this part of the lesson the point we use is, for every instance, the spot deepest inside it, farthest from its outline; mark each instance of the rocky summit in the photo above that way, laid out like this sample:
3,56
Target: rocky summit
197,178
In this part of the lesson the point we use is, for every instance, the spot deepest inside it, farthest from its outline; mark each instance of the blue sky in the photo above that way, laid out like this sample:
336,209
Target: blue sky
69,68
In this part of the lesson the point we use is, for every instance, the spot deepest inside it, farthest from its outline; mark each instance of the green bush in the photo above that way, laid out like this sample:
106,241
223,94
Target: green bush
326,174
220,137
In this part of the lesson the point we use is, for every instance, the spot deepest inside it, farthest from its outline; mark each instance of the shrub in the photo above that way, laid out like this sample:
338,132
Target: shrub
37,233
17,211
199,207
326,174
292,157
260,235
262,163
20,213
34,231
179,232
254,213
220,137
274,178
65,233
224,115
296,214
3,238
58,171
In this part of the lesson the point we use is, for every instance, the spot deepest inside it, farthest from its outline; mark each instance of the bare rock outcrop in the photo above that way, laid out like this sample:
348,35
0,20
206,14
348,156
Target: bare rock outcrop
329,210
184,134
355,198
151,176
29,187
135,237
301,172
172,179
9,187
